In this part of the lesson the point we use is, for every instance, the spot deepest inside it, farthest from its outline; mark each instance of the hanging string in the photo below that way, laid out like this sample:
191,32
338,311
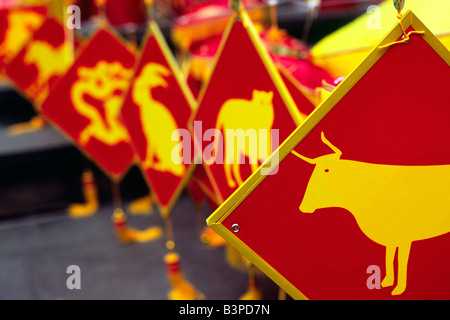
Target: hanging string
101,6
115,193
170,238
150,5
235,5
313,10
281,294
399,5
273,13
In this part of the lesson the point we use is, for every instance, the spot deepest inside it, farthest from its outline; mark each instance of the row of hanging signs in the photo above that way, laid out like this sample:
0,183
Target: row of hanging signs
349,201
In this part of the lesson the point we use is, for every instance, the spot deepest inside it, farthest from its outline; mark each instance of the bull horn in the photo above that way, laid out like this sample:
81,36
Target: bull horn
309,160
328,143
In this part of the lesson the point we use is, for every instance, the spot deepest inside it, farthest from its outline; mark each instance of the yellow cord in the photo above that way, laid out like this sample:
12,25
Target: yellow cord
406,36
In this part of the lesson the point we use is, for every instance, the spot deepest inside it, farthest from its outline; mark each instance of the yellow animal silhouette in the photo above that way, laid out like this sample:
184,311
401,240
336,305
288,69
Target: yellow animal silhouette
106,82
21,25
157,121
393,205
245,117
50,62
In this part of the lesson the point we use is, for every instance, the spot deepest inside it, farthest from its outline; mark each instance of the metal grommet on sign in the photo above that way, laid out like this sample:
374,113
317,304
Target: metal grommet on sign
405,39
235,228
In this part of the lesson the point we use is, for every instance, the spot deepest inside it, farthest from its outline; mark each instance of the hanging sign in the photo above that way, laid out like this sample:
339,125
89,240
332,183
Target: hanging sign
359,206
85,104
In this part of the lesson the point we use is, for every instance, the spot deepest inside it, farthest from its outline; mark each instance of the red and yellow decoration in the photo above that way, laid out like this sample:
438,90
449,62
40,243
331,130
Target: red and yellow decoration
243,92
86,103
127,235
361,185
181,288
162,105
90,194
255,98
39,64
156,112
17,26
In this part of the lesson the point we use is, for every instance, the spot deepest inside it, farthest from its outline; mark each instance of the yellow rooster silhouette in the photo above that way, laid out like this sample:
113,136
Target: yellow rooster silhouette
50,62
106,82
256,115
157,121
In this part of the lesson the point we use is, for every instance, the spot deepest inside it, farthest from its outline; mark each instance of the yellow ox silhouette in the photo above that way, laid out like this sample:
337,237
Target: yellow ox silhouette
158,122
393,205
245,116
106,82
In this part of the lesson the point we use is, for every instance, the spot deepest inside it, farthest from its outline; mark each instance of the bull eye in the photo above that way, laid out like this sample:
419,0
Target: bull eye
327,170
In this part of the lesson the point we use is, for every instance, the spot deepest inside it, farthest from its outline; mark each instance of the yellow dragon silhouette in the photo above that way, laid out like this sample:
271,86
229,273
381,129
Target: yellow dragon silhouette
106,82
157,121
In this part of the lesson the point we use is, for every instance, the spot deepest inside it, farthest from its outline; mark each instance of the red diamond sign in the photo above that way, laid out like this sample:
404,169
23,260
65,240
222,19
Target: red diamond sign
359,206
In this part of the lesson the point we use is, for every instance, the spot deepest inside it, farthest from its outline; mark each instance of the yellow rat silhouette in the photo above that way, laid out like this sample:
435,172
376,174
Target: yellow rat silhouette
157,121
393,205
256,116
50,62
106,82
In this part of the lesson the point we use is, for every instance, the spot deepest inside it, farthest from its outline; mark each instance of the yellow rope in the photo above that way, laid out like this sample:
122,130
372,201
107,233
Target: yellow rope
406,36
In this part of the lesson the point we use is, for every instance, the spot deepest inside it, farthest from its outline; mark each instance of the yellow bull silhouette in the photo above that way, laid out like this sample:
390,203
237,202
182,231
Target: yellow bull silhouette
158,123
393,205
